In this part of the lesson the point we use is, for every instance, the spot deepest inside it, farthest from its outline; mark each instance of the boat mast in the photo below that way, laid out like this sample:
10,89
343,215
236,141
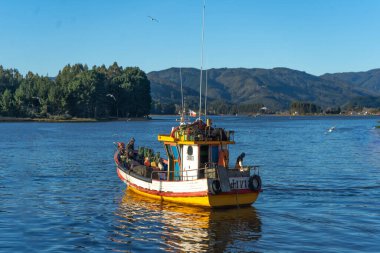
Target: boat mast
200,82
183,107
180,76
206,96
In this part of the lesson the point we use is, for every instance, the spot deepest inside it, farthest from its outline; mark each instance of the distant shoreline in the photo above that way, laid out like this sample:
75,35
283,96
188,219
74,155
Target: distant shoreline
71,120
91,120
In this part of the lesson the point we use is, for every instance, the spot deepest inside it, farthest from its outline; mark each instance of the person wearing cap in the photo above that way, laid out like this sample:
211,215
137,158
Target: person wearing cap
239,161
122,153
131,148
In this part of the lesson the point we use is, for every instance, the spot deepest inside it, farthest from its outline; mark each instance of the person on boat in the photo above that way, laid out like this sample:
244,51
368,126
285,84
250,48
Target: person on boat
131,148
123,157
120,146
122,153
157,158
147,162
162,175
223,158
160,164
239,161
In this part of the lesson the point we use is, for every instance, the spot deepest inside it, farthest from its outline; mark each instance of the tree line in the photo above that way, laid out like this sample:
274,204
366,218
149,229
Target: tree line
77,91
304,108
214,107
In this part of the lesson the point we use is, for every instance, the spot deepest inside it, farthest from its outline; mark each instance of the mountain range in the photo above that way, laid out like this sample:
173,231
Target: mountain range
275,88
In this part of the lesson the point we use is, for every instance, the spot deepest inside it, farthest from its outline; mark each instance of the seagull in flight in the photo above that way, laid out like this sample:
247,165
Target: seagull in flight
153,19
111,96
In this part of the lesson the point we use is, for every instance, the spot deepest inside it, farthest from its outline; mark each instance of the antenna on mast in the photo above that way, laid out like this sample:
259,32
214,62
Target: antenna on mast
200,82
183,107
206,96
180,76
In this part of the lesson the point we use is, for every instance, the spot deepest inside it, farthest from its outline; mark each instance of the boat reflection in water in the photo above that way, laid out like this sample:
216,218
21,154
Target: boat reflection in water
143,224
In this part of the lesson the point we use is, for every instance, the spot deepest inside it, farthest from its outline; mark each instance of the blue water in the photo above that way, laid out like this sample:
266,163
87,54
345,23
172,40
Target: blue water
59,191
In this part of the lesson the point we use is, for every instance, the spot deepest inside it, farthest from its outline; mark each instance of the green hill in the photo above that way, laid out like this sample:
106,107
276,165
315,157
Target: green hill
275,88
369,80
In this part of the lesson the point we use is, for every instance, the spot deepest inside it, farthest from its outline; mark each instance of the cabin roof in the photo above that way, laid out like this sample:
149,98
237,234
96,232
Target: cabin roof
198,132
168,138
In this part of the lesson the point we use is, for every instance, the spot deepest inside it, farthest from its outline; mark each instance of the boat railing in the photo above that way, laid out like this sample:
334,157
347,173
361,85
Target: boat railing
245,171
159,175
173,175
209,170
253,170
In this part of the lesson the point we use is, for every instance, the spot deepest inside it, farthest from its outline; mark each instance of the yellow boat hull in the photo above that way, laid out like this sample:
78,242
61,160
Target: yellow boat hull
210,200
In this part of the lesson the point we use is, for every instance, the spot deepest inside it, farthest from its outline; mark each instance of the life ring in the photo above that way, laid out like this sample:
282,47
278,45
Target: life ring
254,183
215,185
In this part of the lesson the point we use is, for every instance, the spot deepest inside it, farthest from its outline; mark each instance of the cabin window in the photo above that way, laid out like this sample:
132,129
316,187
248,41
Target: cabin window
189,153
190,150
203,156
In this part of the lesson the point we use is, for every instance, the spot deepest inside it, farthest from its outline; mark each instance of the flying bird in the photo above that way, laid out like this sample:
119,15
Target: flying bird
153,19
111,96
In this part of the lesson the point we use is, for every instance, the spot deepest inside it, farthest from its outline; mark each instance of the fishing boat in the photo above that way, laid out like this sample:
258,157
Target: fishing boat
196,169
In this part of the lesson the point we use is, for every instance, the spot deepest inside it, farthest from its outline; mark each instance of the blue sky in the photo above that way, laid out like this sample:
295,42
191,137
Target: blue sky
319,36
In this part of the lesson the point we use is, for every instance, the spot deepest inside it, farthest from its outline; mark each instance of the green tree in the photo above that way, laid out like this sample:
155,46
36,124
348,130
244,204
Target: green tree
304,108
6,103
24,101
55,100
9,79
64,81
77,91
132,92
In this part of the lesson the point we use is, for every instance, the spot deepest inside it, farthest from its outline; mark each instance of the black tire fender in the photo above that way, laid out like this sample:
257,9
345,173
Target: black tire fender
215,185
254,183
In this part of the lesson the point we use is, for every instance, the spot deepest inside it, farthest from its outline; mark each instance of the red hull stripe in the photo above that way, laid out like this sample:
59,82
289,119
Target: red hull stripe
120,176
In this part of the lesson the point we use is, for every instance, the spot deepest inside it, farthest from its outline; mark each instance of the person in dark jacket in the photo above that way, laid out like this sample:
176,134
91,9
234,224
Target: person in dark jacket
131,148
239,161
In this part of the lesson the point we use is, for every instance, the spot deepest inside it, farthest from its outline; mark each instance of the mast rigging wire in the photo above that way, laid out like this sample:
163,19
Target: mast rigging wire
200,82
